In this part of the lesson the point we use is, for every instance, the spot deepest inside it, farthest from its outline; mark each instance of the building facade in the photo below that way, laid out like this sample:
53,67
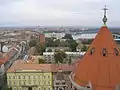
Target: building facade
29,80
55,35
49,56
42,38
23,76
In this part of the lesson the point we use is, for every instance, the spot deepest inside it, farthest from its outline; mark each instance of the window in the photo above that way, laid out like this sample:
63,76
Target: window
48,88
18,77
13,77
26,77
19,82
23,77
44,82
29,82
92,51
14,82
29,77
34,88
15,88
24,82
20,88
48,76
48,82
9,77
9,82
104,52
34,81
39,76
44,77
116,52
36,77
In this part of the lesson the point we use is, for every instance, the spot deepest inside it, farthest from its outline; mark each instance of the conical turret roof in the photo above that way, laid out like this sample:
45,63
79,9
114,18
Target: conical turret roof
101,64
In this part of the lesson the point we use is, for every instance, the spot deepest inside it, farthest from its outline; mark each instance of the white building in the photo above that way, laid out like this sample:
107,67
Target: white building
49,56
55,35
84,36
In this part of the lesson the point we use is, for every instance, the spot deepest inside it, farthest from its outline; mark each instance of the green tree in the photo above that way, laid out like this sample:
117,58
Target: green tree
68,36
84,48
72,44
69,60
49,50
41,61
49,42
32,43
56,43
89,41
60,56
63,44
40,48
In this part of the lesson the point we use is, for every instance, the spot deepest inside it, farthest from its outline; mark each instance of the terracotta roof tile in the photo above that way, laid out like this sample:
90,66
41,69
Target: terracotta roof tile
21,65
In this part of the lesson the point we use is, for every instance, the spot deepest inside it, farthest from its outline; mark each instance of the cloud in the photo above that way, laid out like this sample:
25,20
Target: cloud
56,12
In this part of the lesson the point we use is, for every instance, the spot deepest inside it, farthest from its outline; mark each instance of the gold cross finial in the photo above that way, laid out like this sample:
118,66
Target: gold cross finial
105,17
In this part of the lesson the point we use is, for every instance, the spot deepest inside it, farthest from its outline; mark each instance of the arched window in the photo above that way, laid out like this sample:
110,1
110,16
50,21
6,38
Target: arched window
104,52
92,51
116,51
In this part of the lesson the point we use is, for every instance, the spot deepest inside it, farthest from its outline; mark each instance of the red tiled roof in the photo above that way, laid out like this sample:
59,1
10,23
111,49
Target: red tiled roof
7,56
102,71
21,65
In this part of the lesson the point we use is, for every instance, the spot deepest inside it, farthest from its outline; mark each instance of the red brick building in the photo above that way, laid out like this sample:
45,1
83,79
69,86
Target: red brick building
42,38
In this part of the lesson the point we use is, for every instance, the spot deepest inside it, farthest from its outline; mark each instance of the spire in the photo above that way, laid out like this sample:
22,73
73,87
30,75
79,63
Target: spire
105,17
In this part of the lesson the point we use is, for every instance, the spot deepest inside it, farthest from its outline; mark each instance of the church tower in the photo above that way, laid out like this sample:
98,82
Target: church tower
100,67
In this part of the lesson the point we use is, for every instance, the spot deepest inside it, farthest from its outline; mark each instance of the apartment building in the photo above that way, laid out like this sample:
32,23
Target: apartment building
23,76
49,56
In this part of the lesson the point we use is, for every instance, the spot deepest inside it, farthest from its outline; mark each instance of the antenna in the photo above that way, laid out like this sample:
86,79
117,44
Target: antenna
105,17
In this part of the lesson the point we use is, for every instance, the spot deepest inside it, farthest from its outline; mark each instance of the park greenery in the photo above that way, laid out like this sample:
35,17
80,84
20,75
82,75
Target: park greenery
39,47
60,57
32,43
67,42
89,41
41,61
68,36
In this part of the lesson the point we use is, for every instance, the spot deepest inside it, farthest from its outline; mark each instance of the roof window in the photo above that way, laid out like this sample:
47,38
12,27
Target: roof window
104,52
92,51
116,51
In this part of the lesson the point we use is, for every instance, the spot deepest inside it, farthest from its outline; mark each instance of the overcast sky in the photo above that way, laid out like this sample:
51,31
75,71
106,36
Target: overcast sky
58,12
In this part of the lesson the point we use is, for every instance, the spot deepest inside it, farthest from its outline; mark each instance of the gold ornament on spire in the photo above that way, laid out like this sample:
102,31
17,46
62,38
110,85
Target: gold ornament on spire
105,17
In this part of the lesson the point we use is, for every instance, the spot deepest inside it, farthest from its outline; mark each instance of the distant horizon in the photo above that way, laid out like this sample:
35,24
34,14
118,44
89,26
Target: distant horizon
58,26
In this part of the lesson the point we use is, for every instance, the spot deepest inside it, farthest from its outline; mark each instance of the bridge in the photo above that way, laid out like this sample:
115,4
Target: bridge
116,37
92,36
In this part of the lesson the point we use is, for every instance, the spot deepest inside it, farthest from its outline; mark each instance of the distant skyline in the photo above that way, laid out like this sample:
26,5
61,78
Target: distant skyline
86,13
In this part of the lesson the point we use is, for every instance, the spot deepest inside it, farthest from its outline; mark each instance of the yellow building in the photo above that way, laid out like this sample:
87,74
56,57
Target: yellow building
22,76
